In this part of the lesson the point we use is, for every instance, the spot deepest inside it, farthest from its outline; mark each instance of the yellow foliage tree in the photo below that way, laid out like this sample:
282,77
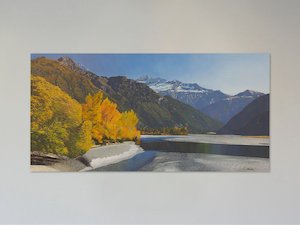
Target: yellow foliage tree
60,125
55,119
91,111
80,139
110,117
108,124
127,126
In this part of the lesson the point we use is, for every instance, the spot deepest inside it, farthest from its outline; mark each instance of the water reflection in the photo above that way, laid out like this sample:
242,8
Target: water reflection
132,164
188,147
163,155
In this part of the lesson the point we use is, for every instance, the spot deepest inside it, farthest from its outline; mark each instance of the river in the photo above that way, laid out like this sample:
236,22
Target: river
224,153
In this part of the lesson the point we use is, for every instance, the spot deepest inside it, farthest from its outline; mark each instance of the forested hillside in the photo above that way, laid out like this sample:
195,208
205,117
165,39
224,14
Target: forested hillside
153,110
61,125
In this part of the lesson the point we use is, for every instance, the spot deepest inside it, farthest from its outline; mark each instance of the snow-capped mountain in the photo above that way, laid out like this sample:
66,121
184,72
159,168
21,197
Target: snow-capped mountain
189,93
225,109
250,94
160,85
214,103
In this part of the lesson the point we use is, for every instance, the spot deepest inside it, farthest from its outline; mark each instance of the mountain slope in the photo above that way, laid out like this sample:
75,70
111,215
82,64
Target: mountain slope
214,103
153,110
159,111
72,82
252,120
189,93
225,109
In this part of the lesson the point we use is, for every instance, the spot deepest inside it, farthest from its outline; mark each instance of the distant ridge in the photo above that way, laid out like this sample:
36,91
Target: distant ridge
225,109
252,120
214,103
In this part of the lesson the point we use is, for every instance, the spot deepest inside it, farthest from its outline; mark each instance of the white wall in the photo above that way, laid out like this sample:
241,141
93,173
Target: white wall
149,26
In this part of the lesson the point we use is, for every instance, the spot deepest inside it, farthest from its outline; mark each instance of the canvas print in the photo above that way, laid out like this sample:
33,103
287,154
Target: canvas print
150,112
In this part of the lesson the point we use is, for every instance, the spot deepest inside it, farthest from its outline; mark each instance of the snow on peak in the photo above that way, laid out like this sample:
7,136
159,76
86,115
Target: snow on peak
249,93
149,80
161,85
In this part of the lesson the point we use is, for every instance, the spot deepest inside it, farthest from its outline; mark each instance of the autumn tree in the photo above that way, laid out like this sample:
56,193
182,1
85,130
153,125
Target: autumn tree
110,118
60,125
80,139
128,126
56,119
108,124
91,111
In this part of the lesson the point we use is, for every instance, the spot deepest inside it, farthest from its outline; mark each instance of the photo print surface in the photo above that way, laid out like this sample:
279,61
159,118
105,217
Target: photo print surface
150,112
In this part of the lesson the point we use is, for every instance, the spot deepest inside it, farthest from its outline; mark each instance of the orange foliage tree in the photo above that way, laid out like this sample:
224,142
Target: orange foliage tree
108,124
110,117
91,111
127,126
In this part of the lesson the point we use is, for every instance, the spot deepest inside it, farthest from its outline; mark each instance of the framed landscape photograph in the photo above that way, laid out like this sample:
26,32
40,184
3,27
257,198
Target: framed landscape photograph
150,112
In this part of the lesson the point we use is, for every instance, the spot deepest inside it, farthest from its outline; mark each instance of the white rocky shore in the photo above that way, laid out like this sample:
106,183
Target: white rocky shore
96,157
114,153
110,157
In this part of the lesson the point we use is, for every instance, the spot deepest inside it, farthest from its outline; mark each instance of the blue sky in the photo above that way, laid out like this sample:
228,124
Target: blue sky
230,73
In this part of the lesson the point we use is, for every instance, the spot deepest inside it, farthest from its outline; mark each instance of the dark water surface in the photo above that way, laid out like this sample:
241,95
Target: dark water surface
221,149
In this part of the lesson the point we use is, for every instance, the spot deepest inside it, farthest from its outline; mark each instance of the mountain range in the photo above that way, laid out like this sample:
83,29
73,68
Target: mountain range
252,120
153,109
214,103
226,108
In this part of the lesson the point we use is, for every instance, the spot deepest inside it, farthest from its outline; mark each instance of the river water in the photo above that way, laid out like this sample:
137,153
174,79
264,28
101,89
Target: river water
164,155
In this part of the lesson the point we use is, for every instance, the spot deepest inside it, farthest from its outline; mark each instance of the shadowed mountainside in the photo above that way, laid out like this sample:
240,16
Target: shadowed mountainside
225,109
252,120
